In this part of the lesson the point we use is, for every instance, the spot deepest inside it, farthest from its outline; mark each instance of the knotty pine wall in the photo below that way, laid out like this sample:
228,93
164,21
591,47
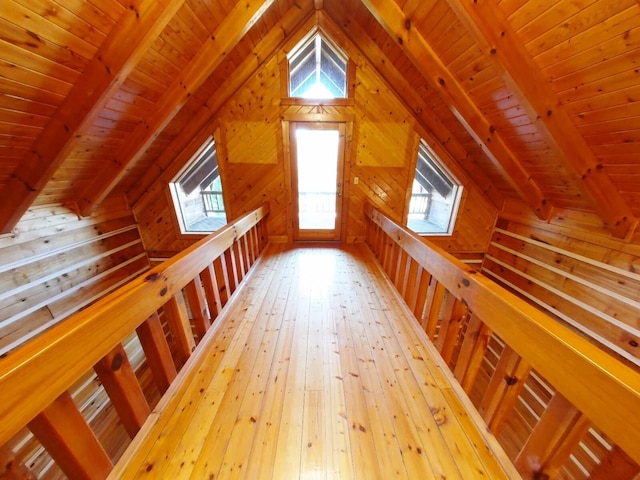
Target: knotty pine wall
54,264
251,132
572,268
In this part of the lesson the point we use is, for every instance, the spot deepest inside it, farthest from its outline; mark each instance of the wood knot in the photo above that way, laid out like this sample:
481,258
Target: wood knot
117,362
153,277
439,415
512,380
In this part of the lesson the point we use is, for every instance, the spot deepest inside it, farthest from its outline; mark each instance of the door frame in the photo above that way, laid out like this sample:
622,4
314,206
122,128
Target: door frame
309,234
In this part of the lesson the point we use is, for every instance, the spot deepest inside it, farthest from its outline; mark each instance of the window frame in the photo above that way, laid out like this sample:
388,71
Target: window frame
332,45
457,189
174,187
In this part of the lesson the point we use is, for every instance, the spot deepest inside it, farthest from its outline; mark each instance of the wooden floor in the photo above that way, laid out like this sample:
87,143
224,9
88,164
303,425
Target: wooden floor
315,371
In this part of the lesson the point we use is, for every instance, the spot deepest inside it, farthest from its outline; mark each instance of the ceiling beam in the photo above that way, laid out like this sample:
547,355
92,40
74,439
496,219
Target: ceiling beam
239,20
130,38
167,165
499,42
349,31
399,27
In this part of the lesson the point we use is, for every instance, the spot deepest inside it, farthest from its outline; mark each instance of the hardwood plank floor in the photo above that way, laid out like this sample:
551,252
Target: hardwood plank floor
315,370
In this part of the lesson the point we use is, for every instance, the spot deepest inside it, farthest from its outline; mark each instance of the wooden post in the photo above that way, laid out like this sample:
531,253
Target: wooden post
474,346
120,382
418,305
212,291
222,279
435,297
553,439
62,430
232,269
453,317
156,349
504,387
178,321
198,307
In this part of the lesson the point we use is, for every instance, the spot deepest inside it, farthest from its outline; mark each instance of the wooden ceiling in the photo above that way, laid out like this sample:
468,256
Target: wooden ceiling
535,100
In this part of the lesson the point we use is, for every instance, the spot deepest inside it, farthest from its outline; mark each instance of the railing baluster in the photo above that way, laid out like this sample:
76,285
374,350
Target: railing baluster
559,430
212,291
156,350
120,382
411,289
420,304
222,279
231,269
453,316
63,431
474,346
435,297
178,321
505,385
198,307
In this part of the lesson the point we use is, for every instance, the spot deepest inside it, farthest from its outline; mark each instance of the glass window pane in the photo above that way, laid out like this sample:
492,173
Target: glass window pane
435,195
317,166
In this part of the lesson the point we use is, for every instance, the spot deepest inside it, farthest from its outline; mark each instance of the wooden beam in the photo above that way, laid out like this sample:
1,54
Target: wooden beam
199,126
231,30
345,33
134,32
507,54
399,27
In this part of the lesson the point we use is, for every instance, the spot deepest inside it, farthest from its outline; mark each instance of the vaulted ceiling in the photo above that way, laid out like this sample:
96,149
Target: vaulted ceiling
538,101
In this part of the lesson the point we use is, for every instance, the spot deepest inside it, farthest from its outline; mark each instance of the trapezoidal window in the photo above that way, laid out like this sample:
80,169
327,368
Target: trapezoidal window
317,70
197,192
435,195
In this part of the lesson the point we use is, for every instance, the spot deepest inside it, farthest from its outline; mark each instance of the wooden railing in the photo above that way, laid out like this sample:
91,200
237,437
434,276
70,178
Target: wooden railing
460,310
189,290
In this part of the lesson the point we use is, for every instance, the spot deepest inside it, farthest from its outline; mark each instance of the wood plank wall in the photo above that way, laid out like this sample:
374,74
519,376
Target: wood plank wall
53,265
251,133
573,269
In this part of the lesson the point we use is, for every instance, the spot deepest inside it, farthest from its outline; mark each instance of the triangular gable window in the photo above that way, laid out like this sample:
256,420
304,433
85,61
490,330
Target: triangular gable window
197,192
435,195
317,70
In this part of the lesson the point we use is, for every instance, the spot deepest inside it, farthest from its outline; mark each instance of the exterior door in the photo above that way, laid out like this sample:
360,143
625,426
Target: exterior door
317,153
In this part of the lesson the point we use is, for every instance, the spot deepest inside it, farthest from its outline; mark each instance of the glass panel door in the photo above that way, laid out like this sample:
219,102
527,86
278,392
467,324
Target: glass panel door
317,152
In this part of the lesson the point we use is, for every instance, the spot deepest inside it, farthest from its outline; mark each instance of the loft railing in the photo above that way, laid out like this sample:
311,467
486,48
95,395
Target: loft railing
34,379
212,201
420,203
459,310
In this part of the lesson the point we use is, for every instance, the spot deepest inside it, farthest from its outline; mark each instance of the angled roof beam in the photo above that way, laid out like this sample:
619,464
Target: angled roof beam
399,27
130,38
414,103
199,126
497,39
207,59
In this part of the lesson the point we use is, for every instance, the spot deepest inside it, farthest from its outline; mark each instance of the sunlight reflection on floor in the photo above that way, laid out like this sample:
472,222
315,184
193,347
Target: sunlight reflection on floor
317,270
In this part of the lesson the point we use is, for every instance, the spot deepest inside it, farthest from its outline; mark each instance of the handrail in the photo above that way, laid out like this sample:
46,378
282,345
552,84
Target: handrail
598,385
36,374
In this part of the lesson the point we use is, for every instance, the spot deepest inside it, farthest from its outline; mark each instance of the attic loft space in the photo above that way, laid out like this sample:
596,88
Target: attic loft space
435,195
317,69
197,192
